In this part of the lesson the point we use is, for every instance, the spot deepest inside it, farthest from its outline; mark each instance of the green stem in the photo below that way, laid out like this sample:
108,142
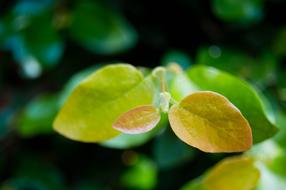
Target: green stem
160,74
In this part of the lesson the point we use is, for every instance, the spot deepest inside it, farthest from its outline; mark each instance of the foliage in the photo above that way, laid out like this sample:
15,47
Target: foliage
206,76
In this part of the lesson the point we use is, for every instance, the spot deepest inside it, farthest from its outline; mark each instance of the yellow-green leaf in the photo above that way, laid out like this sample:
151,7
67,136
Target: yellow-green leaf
94,105
211,123
236,173
138,120
240,93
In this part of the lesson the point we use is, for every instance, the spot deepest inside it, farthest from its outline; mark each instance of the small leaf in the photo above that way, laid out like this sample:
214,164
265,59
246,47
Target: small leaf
236,173
94,105
125,141
240,93
138,120
209,122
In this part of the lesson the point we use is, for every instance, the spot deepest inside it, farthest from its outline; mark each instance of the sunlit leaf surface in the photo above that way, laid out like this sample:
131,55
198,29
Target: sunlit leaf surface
241,94
236,173
100,99
138,120
209,122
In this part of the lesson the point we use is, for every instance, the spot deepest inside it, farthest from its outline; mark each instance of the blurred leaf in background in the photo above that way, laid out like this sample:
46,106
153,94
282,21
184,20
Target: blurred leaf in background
28,32
37,117
142,175
33,172
167,145
101,29
240,11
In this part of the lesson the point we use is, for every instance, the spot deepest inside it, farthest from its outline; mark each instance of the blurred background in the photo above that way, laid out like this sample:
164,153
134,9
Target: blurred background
48,46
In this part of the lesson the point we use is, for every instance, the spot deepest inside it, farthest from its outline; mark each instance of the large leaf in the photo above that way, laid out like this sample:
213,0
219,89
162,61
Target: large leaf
100,99
242,95
209,122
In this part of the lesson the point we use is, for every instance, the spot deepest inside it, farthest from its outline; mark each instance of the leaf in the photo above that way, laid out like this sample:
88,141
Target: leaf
242,11
101,29
236,173
167,145
33,40
279,43
242,95
37,117
26,173
178,57
138,120
209,122
142,175
100,99
181,86
259,70
270,160
74,81
124,141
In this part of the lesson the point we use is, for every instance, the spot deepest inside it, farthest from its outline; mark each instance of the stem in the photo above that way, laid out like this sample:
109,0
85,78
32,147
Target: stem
160,73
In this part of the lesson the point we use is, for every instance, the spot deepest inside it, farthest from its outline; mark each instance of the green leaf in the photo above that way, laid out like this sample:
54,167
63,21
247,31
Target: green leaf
178,57
166,146
209,122
237,173
37,117
279,43
181,86
259,70
100,99
242,95
101,29
143,175
195,184
26,174
74,81
240,11
270,160
33,40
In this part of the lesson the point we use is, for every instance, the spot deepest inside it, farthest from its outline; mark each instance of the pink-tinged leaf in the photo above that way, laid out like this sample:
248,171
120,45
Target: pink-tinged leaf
138,120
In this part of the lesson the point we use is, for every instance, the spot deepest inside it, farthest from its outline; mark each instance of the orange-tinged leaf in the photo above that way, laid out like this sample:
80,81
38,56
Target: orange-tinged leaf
138,120
211,123
236,173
